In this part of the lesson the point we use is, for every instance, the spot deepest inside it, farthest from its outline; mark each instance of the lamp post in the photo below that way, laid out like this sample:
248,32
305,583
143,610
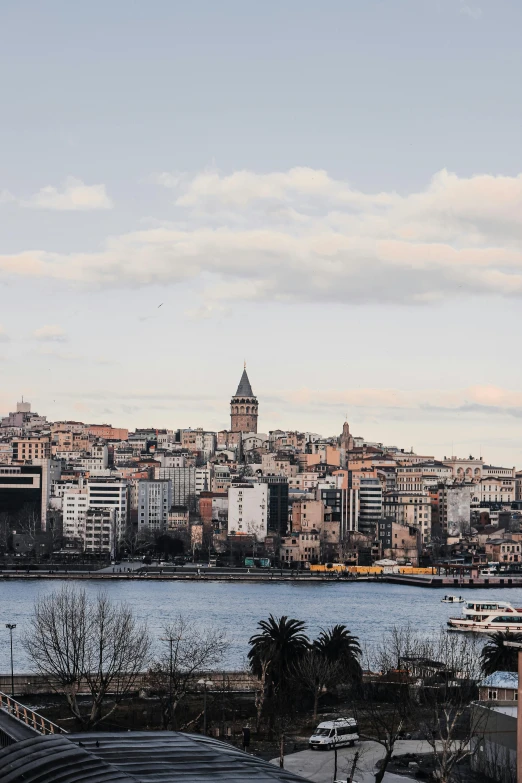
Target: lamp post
205,684
11,627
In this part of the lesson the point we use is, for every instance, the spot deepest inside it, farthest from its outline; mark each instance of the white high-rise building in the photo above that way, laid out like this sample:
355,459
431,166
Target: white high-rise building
154,502
75,505
110,495
248,509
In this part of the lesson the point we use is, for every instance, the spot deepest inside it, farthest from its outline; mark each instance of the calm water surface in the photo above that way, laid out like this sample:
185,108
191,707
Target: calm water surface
367,609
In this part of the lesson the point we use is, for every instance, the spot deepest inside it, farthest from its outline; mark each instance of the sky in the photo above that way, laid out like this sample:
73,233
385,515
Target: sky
330,191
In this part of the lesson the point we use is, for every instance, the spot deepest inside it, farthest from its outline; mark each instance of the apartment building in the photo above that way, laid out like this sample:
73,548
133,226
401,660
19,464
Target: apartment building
399,542
302,547
410,508
75,503
154,503
248,509
177,517
100,531
183,481
28,449
111,495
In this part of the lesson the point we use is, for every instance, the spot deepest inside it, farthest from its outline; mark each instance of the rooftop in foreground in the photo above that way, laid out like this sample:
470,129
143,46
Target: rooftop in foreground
134,757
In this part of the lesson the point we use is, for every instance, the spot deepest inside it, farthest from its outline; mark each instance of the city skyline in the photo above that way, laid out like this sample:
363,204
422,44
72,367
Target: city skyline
275,183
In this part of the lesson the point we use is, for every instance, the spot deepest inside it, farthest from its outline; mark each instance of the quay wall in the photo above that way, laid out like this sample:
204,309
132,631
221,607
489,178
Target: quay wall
210,575
35,684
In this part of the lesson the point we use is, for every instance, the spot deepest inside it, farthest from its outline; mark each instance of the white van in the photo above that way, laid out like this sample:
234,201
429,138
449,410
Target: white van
334,733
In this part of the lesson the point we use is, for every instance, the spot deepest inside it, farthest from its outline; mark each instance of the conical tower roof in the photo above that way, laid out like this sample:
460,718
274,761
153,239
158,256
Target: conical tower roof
244,389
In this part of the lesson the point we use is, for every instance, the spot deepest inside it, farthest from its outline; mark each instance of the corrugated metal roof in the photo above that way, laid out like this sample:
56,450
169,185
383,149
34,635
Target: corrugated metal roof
500,680
54,758
134,757
165,757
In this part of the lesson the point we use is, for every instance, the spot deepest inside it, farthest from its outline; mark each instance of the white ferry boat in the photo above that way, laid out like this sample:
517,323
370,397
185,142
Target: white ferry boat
452,599
487,617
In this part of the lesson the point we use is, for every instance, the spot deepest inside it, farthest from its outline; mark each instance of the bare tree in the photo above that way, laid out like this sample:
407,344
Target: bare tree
386,706
430,683
316,673
261,691
135,541
447,721
189,651
75,641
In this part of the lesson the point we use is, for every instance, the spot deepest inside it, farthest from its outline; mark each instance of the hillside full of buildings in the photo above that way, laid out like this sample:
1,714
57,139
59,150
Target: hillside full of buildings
294,498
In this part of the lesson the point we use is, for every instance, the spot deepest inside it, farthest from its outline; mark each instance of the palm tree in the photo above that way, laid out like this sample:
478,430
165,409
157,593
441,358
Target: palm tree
338,646
273,653
279,644
496,657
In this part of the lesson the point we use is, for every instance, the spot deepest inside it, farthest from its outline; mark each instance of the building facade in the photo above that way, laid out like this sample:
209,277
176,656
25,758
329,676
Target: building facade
111,495
248,509
154,503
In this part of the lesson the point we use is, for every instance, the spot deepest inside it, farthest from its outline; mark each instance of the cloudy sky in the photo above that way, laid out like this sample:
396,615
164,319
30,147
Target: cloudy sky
330,190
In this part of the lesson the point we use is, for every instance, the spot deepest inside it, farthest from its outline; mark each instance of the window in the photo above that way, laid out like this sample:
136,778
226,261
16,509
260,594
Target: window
492,695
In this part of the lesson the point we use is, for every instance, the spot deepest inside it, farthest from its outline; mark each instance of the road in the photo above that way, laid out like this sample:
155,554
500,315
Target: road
318,765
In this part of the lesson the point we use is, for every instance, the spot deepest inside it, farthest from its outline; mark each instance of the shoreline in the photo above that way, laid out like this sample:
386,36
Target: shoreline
434,582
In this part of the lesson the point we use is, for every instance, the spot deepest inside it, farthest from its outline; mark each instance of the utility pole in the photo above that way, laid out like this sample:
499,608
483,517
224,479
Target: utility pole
170,640
205,684
354,766
11,627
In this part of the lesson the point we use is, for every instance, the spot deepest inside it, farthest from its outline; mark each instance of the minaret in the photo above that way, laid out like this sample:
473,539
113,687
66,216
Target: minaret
243,407
346,437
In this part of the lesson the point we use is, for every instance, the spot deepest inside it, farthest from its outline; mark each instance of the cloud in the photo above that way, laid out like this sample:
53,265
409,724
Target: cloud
74,195
4,337
6,197
481,400
53,353
50,333
472,11
303,236
477,401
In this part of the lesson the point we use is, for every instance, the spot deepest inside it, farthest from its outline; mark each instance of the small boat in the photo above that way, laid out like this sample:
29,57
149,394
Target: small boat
452,599
487,617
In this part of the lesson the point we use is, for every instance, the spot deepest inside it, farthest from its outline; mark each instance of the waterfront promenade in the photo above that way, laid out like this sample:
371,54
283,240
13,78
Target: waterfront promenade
139,572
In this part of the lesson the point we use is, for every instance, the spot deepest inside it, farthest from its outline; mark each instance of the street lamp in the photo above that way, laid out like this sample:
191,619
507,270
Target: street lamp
205,684
11,627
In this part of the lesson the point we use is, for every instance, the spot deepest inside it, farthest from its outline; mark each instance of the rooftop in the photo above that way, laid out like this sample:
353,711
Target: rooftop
500,680
134,757
244,389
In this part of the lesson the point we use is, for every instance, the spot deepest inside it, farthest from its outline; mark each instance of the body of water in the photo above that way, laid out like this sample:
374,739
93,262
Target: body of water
367,609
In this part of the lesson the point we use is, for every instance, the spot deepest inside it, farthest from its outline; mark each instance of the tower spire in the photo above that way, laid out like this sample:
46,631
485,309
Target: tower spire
244,406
